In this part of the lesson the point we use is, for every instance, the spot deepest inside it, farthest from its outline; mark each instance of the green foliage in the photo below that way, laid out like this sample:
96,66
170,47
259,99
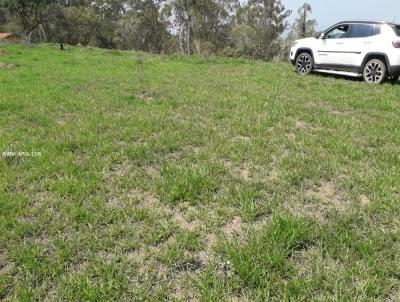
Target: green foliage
228,27
29,14
265,21
244,41
142,28
302,27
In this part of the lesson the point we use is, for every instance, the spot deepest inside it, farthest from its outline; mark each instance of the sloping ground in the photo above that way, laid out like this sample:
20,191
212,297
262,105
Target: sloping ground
225,180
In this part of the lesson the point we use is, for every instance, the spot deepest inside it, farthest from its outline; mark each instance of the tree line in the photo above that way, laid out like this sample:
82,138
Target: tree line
256,29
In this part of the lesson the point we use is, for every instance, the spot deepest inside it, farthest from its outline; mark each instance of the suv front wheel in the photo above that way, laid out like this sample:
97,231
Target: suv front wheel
304,63
374,71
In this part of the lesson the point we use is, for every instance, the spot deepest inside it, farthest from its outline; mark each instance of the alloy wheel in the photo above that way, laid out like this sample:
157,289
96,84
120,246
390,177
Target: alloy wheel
304,64
373,72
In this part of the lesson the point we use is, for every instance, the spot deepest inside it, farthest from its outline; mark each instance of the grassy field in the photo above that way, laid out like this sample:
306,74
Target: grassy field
183,180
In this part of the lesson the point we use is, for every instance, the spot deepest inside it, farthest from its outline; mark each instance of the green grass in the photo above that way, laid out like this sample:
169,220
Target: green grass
226,180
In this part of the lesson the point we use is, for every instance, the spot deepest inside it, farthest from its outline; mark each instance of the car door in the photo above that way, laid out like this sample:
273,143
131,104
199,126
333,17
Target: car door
359,42
330,50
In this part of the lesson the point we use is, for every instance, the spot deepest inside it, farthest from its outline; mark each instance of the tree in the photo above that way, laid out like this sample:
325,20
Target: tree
206,22
85,22
3,16
269,20
304,27
29,14
183,10
244,41
143,28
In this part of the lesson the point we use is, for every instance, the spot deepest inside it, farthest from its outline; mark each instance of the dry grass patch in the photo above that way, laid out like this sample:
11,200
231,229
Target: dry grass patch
249,171
301,125
233,227
240,138
6,65
6,268
320,202
120,169
364,200
179,218
152,172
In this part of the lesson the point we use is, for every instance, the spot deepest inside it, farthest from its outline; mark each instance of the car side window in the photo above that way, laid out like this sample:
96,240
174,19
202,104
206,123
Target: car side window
363,30
338,32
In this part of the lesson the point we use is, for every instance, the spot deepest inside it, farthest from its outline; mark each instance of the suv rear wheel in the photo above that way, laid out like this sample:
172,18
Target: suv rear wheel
304,63
374,71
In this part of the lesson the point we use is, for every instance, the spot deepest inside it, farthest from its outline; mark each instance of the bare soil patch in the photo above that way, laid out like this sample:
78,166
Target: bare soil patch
6,65
321,201
6,268
233,227
183,223
364,200
301,125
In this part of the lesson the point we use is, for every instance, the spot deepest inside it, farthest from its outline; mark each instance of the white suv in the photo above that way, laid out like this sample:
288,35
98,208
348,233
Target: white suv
368,49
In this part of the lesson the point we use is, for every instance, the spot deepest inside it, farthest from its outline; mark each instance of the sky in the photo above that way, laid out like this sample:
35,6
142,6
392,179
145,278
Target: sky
329,12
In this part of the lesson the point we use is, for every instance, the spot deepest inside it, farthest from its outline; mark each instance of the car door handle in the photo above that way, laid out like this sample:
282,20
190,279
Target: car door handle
367,42
339,43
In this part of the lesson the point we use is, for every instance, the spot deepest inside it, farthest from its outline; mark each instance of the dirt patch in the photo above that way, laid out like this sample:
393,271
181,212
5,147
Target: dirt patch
233,227
326,191
183,223
63,119
393,296
134,196
137,255
152,172
120,169
182,289
210,241
2,52
320,202
144,97
290,136
252,172
260,223
364,200
245,173
6,66
301,125
6,268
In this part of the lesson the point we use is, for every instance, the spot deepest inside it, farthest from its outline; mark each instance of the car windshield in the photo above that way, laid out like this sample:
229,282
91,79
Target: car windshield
397,29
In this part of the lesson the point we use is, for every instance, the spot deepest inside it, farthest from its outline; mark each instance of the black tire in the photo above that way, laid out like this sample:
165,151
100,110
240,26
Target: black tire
394,79
304,63
375,72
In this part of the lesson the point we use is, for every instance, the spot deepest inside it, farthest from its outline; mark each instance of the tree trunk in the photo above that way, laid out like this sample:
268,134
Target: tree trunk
181,39
43,33
189,27
304,29
61,44
26,37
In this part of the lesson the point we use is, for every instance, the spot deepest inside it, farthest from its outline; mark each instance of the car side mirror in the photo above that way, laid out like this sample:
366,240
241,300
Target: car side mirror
322,36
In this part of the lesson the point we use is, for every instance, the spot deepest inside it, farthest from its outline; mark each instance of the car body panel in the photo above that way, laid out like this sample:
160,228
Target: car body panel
350,53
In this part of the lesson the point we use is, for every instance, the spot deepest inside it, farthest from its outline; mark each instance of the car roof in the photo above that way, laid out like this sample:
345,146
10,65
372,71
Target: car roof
368,22
362,22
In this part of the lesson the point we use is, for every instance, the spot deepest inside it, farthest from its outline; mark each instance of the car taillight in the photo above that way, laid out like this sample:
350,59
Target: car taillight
396,44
